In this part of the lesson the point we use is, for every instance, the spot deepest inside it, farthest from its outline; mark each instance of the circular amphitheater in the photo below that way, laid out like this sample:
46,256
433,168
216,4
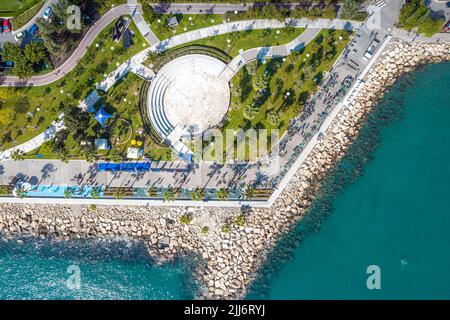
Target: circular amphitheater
188,96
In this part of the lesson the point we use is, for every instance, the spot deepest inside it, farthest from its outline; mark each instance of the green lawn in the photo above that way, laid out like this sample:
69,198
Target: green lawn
22,19
25,112
185,23
298,74
15,7
233,42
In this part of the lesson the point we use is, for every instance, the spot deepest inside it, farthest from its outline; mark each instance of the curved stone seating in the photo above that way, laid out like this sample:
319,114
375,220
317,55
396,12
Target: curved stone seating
188,93
156,97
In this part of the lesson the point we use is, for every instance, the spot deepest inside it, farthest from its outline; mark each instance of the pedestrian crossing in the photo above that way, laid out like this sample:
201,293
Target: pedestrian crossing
381,3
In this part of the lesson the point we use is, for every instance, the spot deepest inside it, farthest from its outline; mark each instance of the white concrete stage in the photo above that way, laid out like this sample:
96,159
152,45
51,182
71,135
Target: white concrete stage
187,96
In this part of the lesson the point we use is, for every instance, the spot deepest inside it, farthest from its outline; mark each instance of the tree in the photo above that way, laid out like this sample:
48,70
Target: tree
119,193
222,194
149,13
25,60
90,154
197,194
240,220
350,9
249,192
23,68
260,83
20,192
429,26
68,192
5,190
152,56
17,156
76,121
6,116
250,111
169,195
274,118
95,192
11,51
35,52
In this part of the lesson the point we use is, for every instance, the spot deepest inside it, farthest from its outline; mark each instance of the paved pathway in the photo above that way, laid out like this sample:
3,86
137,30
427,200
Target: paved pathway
257,24
262,53
35,142
217,8
142,25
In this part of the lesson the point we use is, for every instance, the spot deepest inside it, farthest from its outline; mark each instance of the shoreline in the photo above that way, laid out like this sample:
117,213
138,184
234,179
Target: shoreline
226,263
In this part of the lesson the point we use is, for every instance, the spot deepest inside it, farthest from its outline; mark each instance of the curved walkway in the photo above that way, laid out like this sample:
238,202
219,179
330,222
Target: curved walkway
262,53
69,64
257,24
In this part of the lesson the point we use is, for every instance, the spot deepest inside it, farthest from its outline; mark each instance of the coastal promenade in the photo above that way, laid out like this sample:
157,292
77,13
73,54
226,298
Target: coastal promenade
227,256
210,175
135,64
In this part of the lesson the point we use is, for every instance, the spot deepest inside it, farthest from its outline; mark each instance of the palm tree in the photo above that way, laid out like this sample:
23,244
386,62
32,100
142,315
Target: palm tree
68,192
119,193
17,156
222,194
169,195
249,192
21,193
152,56
196,194
95,192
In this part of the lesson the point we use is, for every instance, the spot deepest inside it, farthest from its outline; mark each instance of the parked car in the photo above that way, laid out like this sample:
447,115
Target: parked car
19,36
1,25
47,13
6,25
33,29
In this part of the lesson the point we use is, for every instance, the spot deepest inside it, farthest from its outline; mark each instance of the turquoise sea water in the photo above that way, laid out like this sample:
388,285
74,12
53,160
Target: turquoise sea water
396,215
119,270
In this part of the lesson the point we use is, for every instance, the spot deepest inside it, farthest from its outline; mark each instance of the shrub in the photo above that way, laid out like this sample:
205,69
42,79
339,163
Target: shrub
225,228
240,220
205,230
185,219
169,195
273,118
197,194
222,194
250,111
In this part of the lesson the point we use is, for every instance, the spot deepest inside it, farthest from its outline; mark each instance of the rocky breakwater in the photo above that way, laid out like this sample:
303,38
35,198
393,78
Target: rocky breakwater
228,245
